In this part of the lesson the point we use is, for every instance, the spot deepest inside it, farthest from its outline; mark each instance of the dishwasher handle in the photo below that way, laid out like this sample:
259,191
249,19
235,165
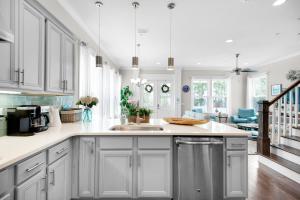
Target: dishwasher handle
178,142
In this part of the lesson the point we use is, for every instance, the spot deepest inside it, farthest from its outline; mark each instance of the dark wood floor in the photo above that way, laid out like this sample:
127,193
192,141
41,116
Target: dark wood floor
267,184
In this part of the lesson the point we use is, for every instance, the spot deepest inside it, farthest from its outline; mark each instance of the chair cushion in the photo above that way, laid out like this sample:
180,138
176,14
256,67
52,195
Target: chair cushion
245,113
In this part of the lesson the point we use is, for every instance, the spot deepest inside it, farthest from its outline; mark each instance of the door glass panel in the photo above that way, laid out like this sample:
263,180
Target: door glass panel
219,95
148,96
165,97
200,89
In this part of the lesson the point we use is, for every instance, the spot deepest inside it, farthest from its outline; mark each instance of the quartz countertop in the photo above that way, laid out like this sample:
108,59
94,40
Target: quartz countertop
14,149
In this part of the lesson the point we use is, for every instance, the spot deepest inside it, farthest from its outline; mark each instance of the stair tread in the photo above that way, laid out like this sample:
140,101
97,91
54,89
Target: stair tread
286,163
296,138
288,149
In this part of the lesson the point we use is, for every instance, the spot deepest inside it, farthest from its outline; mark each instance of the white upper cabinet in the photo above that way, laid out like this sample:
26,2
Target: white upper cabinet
8,51
69,64
32,48
54,67
115,177
154,173
60,61
236,174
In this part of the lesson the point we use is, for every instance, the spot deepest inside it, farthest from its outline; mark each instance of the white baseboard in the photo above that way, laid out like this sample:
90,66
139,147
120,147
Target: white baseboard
280,169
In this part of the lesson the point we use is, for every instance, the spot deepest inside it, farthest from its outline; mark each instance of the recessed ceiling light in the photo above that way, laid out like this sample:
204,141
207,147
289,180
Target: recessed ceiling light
277,34
279,2
198,63
229,41
246,63
158,63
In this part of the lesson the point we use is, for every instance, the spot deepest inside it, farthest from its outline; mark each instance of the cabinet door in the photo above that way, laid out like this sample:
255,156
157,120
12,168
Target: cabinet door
86,166
115,173
8,51
69,64
33,188
154,173
54,72
32,45
59,182
236,174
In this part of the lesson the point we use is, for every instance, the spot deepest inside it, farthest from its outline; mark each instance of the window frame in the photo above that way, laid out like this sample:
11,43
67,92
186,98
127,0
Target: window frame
209,106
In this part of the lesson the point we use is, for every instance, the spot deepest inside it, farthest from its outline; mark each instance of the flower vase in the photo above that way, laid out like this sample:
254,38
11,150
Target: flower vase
87,114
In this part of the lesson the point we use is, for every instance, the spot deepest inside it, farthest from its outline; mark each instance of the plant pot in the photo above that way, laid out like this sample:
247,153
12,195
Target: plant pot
146,119
131,119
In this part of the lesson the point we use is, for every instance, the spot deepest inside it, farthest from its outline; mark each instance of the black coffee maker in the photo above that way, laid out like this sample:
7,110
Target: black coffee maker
26,120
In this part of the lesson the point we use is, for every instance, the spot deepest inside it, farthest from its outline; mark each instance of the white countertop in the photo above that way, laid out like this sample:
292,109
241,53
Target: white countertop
14,149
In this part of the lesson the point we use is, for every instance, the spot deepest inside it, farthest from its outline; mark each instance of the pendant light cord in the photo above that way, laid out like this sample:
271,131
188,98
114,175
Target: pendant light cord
135,7
170,32
99,30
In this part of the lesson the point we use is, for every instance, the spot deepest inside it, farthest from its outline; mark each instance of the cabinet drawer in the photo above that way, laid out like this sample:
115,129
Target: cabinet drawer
154,142
236,143
6,180
30,167
116,142
58,151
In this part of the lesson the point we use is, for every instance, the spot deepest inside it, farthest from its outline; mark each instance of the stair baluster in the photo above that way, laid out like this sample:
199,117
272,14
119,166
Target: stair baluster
284,114
296,110
291,113
273,124
279,121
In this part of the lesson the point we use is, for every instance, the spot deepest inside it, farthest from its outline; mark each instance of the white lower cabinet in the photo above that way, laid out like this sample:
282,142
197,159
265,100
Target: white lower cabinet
236,174
34,188
59,179
86,177
115,173
154,173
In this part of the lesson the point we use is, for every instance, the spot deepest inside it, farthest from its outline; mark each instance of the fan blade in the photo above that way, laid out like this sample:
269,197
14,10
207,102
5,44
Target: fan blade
248,70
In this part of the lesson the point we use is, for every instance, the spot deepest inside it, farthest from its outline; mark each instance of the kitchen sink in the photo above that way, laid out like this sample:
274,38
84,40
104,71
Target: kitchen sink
136,128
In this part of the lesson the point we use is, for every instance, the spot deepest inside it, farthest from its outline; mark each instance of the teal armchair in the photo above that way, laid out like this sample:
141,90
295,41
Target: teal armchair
244,116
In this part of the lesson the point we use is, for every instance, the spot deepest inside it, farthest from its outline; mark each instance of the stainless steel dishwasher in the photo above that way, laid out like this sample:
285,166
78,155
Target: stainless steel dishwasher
199,170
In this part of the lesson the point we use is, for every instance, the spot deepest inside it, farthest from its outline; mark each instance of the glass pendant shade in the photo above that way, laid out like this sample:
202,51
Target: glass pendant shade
135,62
171,63
99,61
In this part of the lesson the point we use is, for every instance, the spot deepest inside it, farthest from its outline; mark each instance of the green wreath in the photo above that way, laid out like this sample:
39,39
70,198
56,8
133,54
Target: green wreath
165,88
148,88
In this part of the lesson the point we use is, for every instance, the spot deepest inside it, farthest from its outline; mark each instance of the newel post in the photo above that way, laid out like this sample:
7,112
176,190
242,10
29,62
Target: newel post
263,140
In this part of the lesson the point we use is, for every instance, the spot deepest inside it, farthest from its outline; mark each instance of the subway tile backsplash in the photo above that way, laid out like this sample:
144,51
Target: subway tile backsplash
10,101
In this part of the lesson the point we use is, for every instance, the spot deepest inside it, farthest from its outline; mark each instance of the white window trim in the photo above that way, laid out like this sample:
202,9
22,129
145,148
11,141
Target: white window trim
210,79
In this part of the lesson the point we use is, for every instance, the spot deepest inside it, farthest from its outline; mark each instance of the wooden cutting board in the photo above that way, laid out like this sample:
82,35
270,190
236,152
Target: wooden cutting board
185,121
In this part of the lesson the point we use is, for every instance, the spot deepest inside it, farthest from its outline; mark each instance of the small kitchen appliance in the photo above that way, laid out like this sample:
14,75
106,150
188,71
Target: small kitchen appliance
26,120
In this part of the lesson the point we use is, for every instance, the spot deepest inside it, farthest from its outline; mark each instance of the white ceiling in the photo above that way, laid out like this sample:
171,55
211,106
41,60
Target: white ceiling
261,32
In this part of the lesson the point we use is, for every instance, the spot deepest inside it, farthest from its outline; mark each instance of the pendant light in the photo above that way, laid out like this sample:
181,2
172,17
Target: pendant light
135,58
99,59
171,63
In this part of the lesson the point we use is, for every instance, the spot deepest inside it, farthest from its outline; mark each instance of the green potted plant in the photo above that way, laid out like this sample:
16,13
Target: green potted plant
145,114
132,111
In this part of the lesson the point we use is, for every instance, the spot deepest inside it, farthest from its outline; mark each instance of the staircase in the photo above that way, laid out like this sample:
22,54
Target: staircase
279,130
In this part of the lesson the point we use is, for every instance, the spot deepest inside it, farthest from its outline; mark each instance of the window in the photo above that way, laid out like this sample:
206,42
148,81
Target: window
210,95
257,90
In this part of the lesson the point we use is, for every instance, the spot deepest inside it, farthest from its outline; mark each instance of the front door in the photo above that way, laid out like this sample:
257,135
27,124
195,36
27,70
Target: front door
158,95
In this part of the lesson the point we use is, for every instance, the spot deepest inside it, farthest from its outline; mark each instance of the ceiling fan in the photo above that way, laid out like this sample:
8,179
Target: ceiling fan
237,69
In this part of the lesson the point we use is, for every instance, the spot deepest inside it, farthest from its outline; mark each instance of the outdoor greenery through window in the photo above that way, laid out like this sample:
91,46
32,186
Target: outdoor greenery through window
210,95
257,90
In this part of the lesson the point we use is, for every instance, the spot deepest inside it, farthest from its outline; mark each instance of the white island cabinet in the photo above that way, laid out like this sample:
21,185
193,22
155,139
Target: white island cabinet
236,172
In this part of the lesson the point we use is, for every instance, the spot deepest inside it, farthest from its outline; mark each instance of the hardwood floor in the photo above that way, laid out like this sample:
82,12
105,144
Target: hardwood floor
267,184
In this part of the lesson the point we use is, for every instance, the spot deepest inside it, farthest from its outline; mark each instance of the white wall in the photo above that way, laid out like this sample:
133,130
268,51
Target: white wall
238,85
237,89
65,18
277,72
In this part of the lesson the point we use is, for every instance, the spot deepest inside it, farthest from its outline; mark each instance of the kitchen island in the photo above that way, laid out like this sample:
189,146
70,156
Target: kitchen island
107,163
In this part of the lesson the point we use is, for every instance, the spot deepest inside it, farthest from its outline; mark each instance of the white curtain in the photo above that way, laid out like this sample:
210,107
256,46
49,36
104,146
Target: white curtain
103,83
